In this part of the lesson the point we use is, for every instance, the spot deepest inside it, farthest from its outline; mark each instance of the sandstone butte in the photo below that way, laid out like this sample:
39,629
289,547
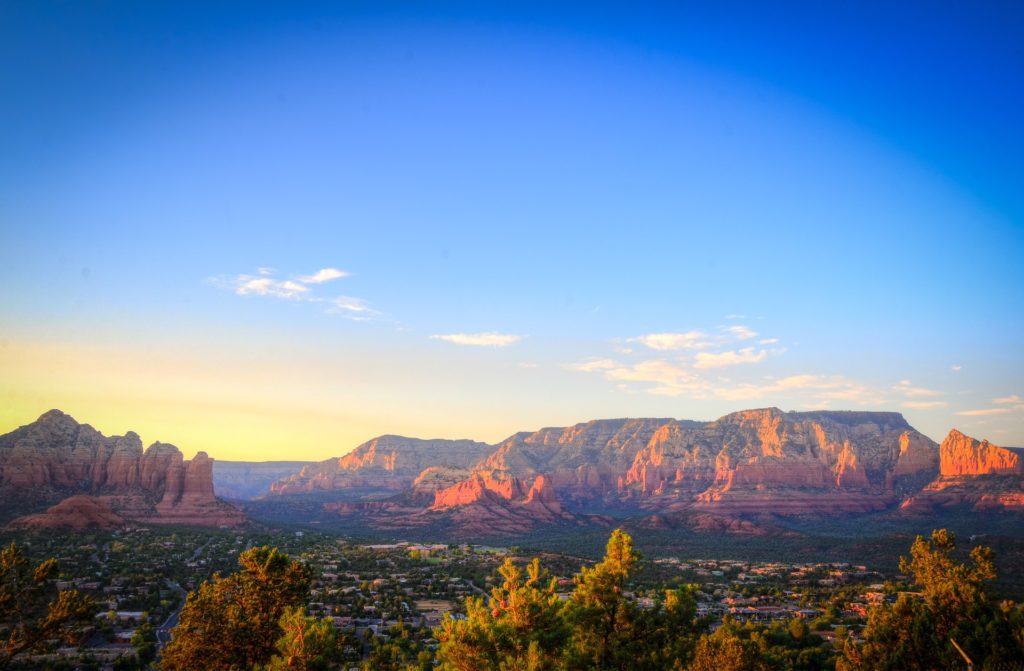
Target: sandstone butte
702,474
104,481
974,474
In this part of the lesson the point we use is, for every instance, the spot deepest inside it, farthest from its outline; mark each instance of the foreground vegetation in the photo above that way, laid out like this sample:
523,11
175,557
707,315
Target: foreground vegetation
525,626
269,614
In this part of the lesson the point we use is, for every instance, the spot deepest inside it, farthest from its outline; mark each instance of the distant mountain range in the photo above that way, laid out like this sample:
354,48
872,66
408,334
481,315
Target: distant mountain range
707,476
245,480
736,474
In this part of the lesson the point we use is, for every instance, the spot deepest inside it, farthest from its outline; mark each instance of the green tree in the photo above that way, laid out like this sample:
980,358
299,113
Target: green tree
306,643
32,611
521,629
602,619
233,622
725,650
144,642
916,631
664,636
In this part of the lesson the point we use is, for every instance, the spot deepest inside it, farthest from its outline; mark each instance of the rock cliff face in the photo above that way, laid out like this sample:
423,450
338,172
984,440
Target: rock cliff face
382,465
972,474
55,458
718,474
739,463
963,456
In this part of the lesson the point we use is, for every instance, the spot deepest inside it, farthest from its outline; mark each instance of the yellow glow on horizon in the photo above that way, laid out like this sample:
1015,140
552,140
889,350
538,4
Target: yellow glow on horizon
232,407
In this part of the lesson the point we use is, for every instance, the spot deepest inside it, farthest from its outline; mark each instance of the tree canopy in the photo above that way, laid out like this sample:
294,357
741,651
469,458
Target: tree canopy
32,611
234,622
917,632
526,626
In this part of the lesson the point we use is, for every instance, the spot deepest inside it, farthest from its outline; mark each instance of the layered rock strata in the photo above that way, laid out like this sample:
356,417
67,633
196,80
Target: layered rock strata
384,464
747,464
972,474
55,458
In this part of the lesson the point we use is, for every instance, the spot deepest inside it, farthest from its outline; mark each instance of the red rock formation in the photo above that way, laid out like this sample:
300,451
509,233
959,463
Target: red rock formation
384,464
916,455
74,512
972,474
961,455
189,499
743,463
56,457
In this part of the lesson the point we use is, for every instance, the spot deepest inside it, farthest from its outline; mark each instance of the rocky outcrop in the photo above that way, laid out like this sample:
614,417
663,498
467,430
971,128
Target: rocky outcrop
384,464
75,512
188,495
973,474
55,458
747,463
963,456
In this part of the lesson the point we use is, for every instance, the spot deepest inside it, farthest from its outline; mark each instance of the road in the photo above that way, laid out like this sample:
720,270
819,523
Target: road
163,632
476,589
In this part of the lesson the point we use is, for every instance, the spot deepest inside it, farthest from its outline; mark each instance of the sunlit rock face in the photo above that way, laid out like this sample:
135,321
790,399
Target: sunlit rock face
56,457
385,463
788,463
972,474
748,448
766,451
961,455
753,462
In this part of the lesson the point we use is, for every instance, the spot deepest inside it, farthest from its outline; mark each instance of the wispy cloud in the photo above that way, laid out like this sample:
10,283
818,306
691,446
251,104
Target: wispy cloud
247,285
323,275
683,369
906,388
592,365
696,339
348,304
674,341
740,332
489,339
730,358
692,365
924,405
822,389
676,378
1009,400
983,412
298,288
955,368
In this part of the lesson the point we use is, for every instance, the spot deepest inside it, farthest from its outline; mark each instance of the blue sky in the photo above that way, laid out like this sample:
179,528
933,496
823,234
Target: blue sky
538,214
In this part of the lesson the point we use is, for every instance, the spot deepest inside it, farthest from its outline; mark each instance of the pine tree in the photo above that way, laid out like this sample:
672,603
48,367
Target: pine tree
520,629
306,643
233,622
917,631
603,620
32,612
